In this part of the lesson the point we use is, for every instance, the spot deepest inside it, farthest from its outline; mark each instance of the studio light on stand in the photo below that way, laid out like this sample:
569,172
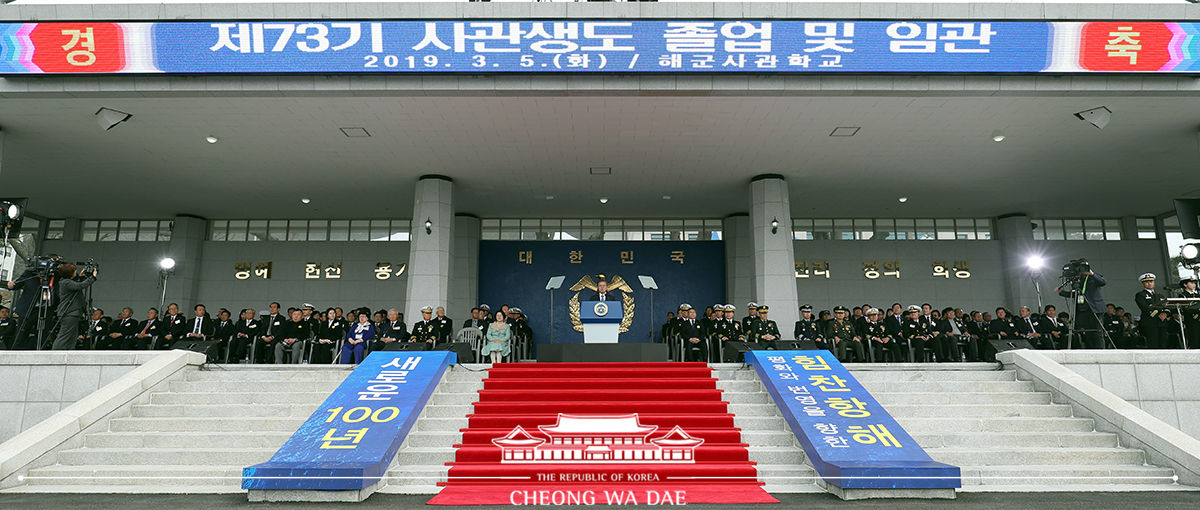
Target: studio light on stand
166,269
552,285
1035,263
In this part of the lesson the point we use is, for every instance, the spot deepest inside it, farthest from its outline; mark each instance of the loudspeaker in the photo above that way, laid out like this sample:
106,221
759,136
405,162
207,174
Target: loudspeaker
207,348
1188,211
735,352
405,346
463,349
992,347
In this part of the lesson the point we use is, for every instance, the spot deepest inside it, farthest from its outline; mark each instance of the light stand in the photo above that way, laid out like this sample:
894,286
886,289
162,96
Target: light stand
552,285
166,269
649,284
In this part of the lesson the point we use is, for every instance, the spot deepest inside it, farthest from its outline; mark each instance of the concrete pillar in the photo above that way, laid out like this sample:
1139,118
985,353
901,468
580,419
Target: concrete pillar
1,152
187,248
72,229
1129,230
429,252
774,256
739,261
464,268
1015,235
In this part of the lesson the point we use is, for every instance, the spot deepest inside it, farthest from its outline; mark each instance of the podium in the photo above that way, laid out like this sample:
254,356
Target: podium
601,321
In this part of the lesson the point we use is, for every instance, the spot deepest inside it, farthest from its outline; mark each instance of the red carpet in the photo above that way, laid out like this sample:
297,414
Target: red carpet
601,433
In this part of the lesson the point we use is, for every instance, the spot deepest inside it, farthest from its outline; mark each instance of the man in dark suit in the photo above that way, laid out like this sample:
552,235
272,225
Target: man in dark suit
602,293
1089,304
175,327
246,332
694,348
293,337
939,335
200,327
1002,326
120,333
977,328
223,331
270,327
148,332
96,331
1029,327
394,330
474,321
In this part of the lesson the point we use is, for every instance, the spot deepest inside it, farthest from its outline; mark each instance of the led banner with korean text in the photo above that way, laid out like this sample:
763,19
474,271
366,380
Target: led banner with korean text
516,273
852,441
613,46
349,441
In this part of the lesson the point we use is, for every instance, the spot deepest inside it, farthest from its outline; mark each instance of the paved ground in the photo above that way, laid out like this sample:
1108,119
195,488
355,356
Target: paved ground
967,501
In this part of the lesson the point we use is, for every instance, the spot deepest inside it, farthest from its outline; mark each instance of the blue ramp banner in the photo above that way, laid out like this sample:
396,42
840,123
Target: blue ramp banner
851,440
348,442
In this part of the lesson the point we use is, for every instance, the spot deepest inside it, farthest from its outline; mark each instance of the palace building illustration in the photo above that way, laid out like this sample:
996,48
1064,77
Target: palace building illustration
597,439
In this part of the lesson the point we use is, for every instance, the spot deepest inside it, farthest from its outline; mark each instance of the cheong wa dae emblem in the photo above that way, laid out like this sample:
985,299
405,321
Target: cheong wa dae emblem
597,439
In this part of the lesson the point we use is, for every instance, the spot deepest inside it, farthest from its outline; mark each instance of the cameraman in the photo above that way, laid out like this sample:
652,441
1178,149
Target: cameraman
1089,303
71,304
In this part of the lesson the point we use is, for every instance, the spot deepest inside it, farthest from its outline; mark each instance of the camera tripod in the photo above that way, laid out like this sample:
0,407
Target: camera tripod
1073,303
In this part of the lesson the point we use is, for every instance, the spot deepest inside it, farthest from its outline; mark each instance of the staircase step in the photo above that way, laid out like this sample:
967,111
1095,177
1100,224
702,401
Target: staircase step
219,410
177,440
434,438
109,474
771,455
280,395
185,425
481,408
897,376
431,424
128,489
424,455
601,384
954,387
1016,439
1065,475
980,410
220,387
1038,425
303,373
165,456
1003,455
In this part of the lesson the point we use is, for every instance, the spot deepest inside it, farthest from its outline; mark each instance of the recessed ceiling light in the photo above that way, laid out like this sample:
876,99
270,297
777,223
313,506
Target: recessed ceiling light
549,197
600,170
666,197
355,132
845,131
998,136
305,200
211,139
603,200
903,199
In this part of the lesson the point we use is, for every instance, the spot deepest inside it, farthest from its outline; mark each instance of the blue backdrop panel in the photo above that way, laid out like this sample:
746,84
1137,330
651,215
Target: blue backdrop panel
515,272
852,440
348,442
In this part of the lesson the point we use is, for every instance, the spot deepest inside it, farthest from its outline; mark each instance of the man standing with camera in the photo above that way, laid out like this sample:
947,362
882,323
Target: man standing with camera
71,304
1089,302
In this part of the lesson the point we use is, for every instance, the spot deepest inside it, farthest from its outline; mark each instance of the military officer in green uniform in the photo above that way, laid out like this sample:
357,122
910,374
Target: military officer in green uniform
764,330
426,329
845,339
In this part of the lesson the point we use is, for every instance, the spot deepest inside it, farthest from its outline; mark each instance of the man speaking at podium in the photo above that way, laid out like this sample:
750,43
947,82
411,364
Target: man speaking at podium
602,293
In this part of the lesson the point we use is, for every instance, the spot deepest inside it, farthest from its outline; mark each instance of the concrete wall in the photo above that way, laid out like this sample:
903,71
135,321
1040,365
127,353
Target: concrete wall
1162,383
129,274
34,386
1120,261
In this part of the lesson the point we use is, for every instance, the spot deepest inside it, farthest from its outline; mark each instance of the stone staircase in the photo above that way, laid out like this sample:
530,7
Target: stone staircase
1002,433
421,461
195,437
